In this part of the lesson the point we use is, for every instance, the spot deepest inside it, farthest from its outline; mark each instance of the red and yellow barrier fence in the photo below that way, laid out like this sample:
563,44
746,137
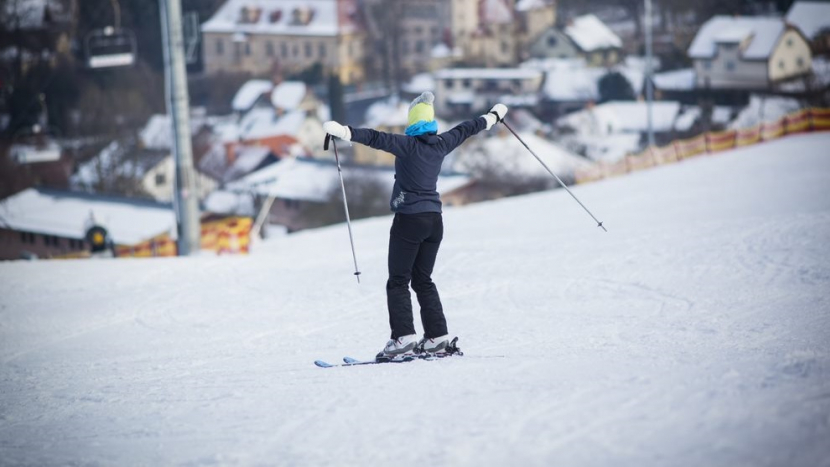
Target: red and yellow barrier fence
230,235
224,236
802,121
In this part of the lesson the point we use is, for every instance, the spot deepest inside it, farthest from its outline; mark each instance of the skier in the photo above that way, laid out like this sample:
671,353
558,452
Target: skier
417,228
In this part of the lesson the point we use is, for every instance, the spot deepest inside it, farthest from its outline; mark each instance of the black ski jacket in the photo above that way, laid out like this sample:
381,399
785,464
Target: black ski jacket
418,162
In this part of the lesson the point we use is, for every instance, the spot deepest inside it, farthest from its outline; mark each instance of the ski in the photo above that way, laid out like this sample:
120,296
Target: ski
452,349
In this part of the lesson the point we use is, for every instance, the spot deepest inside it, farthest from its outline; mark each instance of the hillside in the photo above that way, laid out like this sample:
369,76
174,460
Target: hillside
694,332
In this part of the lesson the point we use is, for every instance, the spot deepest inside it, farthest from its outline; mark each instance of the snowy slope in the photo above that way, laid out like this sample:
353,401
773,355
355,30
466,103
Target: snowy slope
695,332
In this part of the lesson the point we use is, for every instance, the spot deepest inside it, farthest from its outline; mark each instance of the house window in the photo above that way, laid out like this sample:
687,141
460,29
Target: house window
552,41
220,47
730,66
789,42
309,51
248,49
27,237
781,64
448,83
322,50
707,64
160,179
800,62
404,47
284,50
295,50
269,49
466,83
505,47
419,47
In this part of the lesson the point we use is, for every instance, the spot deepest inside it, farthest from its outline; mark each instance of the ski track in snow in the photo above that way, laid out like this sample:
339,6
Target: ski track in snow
695,332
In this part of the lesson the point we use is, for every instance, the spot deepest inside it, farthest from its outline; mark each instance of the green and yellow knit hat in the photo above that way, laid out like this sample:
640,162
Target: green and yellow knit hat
422,115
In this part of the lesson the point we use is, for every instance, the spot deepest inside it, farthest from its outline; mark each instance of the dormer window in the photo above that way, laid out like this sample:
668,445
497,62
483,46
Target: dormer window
302,16
249,15
275,16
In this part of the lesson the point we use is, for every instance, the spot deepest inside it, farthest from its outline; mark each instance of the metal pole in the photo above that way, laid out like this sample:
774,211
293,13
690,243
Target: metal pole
649,74
185,196
599,224
345,203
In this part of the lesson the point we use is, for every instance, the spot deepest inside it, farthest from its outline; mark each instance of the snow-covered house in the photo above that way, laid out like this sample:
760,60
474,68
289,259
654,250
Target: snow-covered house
131,169
47,223
813,19
253,92
597,44
748,53
257,36
460,91
585,37
294,95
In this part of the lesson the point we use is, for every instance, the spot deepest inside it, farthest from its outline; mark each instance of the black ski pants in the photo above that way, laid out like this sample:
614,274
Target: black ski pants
413,245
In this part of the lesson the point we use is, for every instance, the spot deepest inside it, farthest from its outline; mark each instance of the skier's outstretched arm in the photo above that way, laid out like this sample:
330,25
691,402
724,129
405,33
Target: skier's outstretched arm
454,137
398,145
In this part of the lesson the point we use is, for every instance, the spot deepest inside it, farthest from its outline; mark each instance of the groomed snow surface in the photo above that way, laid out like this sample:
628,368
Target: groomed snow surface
695,332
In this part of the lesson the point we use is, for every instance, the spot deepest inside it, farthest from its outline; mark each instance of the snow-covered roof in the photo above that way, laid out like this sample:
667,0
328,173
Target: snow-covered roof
488,73
675,80
589,34
249,93
288,94
810,17
284,17
528,5
158,132
494,12
419,83
69,214
622,117
227,202
265,122
119,158
760,34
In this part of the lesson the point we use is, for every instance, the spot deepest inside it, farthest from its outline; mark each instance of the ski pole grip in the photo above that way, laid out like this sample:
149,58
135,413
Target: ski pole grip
326,142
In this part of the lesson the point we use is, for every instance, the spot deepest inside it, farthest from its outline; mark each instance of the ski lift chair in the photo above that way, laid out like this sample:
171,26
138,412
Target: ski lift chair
110,47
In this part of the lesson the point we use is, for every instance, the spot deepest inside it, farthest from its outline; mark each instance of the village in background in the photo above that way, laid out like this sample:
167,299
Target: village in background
87,164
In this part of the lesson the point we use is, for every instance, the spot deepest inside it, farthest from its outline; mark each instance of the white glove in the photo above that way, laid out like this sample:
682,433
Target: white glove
337,130
495,115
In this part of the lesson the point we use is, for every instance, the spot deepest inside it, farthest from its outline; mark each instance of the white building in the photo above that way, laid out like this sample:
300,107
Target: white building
258,36
462,90
748,53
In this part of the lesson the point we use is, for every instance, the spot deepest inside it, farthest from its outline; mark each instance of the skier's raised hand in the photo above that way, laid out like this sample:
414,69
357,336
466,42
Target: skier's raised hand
495,115
337,130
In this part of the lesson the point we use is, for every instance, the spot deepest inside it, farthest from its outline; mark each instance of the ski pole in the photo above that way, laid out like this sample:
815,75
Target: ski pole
345,203
599,224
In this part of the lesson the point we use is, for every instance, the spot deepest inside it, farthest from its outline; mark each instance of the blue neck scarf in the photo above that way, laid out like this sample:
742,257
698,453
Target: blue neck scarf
422,127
